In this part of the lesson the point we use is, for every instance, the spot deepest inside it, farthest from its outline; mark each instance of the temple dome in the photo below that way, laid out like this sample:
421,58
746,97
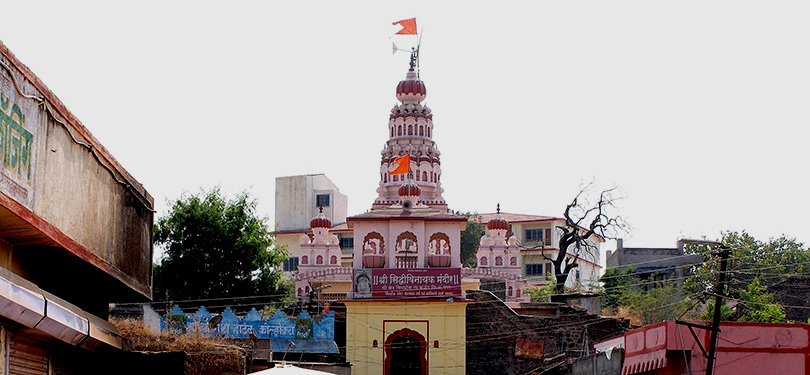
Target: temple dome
411,90
320,221
411,190
498,223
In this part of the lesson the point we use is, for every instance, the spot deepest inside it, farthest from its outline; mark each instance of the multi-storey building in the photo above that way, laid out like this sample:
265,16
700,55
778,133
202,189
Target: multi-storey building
75,235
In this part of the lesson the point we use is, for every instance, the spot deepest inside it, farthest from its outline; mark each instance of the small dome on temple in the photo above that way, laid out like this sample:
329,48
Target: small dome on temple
320,221
411,90
498,223
409,190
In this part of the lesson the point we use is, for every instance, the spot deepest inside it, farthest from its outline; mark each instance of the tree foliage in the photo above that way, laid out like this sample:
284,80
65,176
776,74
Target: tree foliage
774,260
757,305
616,283
216,248
662,301
584,224
470,238
752,268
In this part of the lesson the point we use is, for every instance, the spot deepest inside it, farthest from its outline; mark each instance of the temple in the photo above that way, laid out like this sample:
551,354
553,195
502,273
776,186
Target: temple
398,268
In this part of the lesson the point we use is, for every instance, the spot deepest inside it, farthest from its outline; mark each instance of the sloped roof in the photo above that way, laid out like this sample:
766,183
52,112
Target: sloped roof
517,218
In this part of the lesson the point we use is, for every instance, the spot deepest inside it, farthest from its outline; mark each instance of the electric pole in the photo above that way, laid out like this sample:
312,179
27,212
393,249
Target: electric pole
719,292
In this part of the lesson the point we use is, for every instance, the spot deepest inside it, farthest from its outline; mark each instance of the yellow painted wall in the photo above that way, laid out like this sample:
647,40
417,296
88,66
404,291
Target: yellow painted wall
367,321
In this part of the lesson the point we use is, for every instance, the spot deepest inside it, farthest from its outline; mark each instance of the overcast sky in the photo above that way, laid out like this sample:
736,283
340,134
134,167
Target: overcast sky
696,110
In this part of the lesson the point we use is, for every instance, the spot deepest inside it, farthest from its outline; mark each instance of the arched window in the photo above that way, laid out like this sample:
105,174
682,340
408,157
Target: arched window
428,131
392,131
333,260
417,176
304,259
421,131
513,261
483,261
399,130
424,176
319,259
498,261
306,289
509,291
518,293
300,292
385,177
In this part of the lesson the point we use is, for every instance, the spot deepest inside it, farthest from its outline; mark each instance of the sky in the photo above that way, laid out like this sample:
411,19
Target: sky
697,111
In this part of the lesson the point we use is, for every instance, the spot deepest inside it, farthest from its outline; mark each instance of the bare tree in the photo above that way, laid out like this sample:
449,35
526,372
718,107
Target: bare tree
585,224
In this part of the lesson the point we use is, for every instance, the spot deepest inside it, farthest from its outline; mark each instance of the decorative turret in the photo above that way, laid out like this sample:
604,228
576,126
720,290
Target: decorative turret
320,229
409,194
498,224
320,221
410,129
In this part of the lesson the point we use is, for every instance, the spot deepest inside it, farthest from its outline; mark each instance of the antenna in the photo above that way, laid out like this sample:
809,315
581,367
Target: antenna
398,49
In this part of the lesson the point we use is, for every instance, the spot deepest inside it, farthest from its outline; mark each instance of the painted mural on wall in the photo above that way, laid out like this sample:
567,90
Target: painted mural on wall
302,333
19,118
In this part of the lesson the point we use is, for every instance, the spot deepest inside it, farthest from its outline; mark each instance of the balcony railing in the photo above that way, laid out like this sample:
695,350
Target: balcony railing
406,261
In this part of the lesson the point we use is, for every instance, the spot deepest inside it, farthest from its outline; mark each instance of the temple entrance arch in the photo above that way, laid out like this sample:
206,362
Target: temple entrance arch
405,353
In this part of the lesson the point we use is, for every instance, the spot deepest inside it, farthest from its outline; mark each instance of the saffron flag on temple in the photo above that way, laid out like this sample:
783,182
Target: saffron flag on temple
400,165
408,26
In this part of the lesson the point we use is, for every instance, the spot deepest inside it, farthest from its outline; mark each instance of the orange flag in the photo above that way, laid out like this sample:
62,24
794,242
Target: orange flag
400,165
408,26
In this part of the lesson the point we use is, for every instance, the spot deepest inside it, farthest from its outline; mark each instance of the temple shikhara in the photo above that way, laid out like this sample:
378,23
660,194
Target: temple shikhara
397,267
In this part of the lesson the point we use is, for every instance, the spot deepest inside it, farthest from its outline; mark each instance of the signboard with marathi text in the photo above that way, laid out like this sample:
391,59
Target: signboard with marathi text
416,282
302,333
19,119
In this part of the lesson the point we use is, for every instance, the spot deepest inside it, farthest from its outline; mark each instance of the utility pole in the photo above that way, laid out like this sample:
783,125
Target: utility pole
723,252
719,292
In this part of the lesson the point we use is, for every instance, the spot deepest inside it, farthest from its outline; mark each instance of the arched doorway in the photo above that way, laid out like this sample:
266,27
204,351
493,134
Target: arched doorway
405,353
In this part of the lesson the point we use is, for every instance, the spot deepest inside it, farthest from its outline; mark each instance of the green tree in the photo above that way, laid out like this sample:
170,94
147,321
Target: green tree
616,283
216,248
771,262
470,238
757,305
655,303
540,293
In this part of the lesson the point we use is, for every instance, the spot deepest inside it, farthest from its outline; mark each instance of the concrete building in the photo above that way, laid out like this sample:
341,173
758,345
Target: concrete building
298,199
75,234
653,263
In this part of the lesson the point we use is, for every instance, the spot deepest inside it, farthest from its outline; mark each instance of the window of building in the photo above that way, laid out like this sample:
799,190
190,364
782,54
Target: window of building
483,261
319,259
534,269
498,261
333,260
513,261
304,259
347,242
534,235
510,290
322,200
290,264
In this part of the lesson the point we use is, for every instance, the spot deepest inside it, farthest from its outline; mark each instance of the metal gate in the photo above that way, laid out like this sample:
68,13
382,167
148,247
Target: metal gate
26,356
